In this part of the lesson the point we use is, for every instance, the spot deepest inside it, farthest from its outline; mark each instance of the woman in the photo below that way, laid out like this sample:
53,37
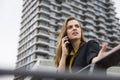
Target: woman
73,52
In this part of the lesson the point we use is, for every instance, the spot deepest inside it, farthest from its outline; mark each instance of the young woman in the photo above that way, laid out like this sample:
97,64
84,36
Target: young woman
73,52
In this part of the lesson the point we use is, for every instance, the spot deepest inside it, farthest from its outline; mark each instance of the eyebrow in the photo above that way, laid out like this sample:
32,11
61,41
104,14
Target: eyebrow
74,24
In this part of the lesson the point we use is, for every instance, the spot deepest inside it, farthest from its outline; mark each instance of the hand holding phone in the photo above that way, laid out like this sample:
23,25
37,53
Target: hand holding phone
65,42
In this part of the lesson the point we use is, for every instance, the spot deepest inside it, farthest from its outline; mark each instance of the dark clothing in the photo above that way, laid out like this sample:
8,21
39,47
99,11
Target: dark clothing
84,55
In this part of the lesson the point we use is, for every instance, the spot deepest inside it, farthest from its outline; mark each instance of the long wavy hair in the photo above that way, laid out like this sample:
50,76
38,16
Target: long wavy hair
58,51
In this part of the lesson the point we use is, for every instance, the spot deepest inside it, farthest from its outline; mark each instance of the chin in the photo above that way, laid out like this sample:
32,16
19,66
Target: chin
75,38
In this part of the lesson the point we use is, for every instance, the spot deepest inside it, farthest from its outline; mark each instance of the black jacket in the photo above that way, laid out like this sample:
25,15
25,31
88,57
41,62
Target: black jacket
84,55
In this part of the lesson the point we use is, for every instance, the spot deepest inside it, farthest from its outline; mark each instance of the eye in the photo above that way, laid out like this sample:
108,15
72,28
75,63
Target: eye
69,27
77,26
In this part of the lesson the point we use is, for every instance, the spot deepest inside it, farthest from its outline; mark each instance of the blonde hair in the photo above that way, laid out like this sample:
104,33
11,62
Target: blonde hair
58,51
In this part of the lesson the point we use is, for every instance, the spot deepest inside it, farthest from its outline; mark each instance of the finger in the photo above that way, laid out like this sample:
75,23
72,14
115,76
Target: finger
103,49
67,42
64,39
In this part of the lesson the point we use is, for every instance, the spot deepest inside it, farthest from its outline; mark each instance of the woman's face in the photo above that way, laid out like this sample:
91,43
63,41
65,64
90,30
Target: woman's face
73,30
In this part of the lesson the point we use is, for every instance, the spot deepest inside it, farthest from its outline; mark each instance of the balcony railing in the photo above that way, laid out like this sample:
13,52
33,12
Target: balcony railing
95,71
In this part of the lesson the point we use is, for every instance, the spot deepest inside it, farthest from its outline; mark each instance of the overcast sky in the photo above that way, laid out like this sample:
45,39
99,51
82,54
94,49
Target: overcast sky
10,18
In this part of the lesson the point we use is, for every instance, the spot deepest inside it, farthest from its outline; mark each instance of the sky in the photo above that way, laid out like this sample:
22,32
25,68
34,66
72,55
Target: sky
10,18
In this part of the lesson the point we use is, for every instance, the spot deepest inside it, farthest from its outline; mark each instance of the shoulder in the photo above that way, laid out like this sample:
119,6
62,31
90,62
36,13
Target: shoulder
90,42
93,43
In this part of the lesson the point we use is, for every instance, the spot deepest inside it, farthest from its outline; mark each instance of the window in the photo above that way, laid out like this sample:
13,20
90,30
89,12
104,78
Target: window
52,28
52,43
44,16
52,21
52,35
43,31
52,13
52,50
43,23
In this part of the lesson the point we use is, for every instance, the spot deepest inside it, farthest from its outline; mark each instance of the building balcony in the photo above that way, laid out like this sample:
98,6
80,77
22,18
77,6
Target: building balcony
111,2
43,43
91,10
111,18
44,19
54,3
116,42
43,11
108,24
103,15
87,27
63,17
81,2
53,16
102,26
112,7
44,4
44,27
42,34
65,5
53,38
93,34
90,4
99,4
90,15
109,30
66,12
26,8
89,21
115,36
42,52
59,23
114,24
115,30
112,12
109,35
101,19
103,1
101,31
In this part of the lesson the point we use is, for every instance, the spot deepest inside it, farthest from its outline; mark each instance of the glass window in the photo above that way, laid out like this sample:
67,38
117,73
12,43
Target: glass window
52,43
52,35
43,31
43,23
52,13
52,50
52,28
40,57
52,21
51,57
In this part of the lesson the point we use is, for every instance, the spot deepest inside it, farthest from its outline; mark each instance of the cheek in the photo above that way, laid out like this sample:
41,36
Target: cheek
80,33
68,33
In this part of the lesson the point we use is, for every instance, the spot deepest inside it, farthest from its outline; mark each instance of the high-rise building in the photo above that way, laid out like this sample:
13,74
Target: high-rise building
42,20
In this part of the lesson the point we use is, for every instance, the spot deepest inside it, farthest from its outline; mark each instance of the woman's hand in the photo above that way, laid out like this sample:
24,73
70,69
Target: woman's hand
103,52
62,63
65,42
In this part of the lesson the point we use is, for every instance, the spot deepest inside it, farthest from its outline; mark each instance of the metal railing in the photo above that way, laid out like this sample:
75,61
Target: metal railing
97,71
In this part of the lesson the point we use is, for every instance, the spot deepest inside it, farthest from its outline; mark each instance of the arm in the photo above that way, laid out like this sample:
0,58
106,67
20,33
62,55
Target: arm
100,54
103,52
92,51
61,67
62,63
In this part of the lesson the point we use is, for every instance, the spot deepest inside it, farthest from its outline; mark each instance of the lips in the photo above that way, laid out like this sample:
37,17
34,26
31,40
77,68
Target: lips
74,33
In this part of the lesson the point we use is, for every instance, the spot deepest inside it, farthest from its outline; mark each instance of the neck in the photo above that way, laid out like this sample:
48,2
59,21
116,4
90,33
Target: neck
75,44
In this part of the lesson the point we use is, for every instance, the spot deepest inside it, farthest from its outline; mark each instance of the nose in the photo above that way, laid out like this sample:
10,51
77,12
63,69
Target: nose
74,28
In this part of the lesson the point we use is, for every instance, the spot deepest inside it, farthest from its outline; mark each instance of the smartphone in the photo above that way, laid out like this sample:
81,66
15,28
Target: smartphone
68,46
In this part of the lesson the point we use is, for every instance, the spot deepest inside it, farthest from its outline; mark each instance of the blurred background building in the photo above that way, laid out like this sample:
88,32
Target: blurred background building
42,21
